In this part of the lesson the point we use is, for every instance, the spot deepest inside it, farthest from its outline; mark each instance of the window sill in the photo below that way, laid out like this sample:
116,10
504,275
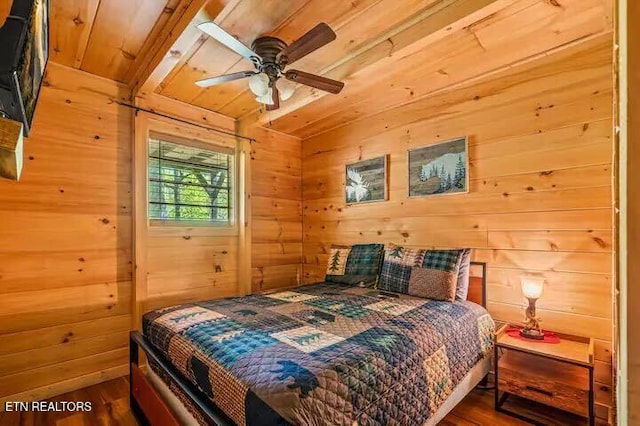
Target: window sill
180,228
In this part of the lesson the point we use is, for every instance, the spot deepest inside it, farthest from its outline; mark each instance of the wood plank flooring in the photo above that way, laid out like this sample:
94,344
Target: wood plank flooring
110,403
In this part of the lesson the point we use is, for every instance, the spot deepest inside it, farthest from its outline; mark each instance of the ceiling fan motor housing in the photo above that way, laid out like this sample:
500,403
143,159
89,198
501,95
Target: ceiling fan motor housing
269,49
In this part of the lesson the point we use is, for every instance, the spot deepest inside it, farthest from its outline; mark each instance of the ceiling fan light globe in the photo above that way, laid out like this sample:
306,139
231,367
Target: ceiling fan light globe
286,94
287,88
259,84
266,99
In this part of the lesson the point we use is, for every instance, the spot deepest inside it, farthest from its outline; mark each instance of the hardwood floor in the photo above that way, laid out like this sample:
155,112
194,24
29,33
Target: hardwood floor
110,406
109,401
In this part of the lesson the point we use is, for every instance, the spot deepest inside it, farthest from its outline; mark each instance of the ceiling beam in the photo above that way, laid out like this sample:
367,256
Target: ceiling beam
173,41
194,114
415,34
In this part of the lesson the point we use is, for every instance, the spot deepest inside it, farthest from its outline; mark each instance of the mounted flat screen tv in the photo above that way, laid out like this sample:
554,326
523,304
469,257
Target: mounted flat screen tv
24,52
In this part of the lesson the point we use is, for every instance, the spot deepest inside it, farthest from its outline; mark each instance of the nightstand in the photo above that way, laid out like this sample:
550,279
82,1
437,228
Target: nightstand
558,375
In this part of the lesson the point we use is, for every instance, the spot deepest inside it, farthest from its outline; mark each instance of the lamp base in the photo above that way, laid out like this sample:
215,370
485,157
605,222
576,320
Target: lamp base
531,333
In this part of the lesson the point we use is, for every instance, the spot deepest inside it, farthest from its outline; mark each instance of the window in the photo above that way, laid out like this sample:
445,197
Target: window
191,184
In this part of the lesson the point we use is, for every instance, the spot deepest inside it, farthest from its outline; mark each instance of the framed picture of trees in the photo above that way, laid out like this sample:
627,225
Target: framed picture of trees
439,169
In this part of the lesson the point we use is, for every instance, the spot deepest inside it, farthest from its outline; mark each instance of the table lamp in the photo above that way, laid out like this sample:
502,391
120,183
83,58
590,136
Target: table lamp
532,290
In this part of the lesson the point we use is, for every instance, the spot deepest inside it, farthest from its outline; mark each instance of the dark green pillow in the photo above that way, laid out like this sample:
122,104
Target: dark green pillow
355,265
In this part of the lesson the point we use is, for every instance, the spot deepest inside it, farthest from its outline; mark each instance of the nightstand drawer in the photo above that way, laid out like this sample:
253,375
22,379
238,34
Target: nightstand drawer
548,381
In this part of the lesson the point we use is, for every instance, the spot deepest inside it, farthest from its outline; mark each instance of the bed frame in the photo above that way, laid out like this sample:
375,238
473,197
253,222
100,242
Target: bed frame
150,408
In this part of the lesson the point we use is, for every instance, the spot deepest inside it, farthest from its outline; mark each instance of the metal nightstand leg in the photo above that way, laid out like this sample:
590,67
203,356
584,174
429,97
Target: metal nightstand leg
496,392
591,398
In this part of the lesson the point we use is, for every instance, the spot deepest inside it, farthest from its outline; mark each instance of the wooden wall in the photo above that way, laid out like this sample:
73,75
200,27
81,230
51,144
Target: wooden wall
189,264
178,264
65,243
276,198
66,238
540,147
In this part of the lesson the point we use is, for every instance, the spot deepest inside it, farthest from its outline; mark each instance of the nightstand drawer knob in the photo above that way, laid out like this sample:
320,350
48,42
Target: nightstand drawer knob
541,391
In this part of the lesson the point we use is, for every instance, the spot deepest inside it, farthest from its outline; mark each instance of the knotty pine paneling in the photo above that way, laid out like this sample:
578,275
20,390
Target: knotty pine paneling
276,198
179,263
65,242
540,200
118,33
494,38
175,263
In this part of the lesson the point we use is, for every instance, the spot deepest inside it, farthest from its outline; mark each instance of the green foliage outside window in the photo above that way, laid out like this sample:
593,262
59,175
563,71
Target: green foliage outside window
187,183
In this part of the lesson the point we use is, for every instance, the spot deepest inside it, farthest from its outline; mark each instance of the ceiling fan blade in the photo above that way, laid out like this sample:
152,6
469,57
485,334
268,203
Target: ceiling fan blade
322,83
317,37
213,30
276,99
208,82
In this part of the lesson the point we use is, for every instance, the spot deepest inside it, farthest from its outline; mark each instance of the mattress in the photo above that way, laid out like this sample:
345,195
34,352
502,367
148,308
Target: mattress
324,354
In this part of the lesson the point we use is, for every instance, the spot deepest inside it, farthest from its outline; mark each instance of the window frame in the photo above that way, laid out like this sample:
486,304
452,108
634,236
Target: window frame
149,126
233,182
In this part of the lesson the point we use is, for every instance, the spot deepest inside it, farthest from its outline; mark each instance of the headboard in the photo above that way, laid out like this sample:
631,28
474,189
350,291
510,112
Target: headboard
478,283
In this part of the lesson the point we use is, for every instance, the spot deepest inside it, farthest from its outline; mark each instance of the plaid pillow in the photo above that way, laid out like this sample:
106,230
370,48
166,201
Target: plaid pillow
361,264
443,260
396,268
432,274
394,277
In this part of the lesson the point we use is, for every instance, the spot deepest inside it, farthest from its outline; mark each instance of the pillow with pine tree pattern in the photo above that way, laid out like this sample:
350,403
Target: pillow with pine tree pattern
355,265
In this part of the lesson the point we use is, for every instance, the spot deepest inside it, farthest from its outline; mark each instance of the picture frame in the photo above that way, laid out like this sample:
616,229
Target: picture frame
439,169
367,181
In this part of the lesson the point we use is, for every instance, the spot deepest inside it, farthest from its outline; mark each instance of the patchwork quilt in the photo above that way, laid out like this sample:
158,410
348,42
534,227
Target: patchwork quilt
324,354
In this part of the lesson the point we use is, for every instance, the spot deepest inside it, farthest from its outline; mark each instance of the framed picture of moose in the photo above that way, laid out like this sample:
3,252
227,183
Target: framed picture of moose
367,181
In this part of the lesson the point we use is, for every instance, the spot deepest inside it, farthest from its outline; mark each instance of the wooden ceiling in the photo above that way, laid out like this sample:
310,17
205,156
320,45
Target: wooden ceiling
105,37
355,22
521,31
387,52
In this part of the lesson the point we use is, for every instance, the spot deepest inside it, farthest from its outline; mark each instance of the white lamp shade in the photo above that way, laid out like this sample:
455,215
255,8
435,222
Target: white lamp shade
259,84
267,98
532,287
286,88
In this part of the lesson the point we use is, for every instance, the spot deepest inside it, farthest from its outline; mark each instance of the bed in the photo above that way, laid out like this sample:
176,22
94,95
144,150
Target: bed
320,354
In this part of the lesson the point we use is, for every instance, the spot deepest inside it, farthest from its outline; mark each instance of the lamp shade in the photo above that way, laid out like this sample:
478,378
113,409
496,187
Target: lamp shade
286,88
259,84
267,98
532,287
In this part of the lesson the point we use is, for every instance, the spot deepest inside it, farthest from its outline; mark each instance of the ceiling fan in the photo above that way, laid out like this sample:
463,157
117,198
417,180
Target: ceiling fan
270,56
